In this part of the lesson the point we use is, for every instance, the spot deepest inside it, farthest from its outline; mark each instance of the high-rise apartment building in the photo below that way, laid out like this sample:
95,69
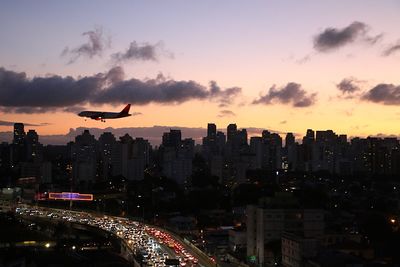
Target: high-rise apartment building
19,134
275,216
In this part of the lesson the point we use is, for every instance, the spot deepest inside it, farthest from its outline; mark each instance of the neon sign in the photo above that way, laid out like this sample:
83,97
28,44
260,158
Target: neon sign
71,196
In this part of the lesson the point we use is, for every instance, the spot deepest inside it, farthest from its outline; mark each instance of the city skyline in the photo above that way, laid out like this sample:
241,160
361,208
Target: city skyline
154,134
200,133
244,63
232,153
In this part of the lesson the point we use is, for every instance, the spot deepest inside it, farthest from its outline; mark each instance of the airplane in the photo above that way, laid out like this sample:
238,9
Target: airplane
102,116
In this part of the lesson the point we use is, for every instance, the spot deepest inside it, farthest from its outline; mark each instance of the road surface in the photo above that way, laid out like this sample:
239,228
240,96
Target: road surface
154,245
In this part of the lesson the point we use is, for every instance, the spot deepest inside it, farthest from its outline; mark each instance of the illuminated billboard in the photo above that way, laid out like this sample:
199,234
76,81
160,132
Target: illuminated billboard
70,196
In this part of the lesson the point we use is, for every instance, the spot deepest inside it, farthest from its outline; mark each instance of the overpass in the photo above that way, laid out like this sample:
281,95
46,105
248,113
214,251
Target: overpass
133,237
124,250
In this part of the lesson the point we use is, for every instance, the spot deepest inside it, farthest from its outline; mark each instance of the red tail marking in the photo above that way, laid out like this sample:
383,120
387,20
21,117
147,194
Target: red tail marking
126,109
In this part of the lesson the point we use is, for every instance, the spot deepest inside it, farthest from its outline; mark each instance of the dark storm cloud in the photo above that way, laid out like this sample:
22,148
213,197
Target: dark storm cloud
26,110
45,94
94,46
143,52
162,90
226,113
292,94
157,90
348,85
387,94
392,49
115,74
11,123
225,97
42,94
333,38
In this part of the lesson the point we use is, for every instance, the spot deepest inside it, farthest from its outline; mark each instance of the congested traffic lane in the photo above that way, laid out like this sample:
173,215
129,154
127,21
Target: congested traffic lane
154,246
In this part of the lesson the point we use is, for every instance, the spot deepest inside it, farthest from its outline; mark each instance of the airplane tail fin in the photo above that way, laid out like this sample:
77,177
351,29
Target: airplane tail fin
126,109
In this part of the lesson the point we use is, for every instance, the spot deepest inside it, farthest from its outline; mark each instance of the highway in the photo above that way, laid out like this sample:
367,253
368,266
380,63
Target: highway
154,246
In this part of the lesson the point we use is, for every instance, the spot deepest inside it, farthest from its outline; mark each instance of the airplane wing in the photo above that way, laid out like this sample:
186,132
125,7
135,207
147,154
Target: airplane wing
97,116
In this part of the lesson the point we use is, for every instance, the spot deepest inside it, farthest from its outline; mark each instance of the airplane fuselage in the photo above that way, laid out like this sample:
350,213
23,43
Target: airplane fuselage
102,116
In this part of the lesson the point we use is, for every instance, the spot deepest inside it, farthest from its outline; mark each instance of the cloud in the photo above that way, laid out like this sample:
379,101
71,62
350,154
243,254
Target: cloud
143,52
20,94
253,131
348,85
392,49
358,127
226,113
348,112
387,94
164,91
44,94
333,38
225,97
304,59
11,123
71,109
94,46
292,94
282,122
383,135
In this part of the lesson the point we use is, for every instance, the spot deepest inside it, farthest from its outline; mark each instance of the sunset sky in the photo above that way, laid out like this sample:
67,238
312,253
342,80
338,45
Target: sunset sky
279,65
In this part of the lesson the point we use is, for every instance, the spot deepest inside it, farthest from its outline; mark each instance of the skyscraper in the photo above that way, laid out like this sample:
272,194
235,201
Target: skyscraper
84,158
221,140
18,149
106,145
231,132
32,137
290,152
309,138
242,137
33,148
176,156
19,134
172,139
290,140
211,132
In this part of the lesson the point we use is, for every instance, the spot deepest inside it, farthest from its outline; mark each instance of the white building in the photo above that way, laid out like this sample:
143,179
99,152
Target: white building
84,156
296,249
274,217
